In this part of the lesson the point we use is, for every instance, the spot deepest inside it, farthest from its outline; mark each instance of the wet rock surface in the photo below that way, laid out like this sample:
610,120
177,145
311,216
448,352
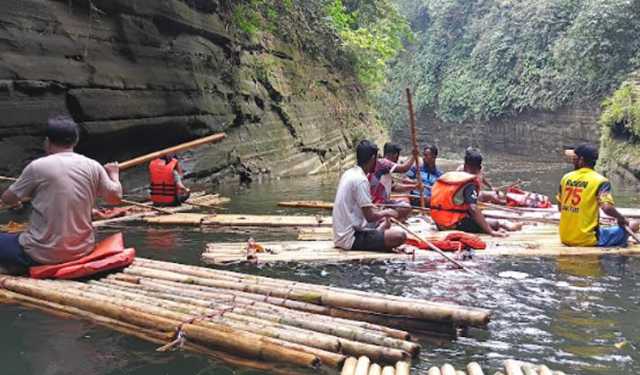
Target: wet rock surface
146,74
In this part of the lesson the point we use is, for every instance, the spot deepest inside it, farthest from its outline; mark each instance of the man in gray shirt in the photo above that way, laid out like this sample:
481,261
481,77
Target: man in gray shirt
354,213
63,187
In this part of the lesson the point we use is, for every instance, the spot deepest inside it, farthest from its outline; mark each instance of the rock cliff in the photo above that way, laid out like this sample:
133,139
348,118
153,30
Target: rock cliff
139,75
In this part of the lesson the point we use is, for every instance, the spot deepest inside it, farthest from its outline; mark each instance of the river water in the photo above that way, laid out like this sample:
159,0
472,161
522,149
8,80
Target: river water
579,315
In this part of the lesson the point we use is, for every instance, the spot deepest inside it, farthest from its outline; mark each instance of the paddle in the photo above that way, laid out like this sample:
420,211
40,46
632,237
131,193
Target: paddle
431,245
414,144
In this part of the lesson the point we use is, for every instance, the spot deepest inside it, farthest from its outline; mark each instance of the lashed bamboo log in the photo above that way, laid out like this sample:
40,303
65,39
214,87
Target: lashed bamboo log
544,370
8,179
171,150
322,295
388,370
349,367
512,367
434,371
362,367
402,368
447,369
375,369
460,372
528,369
154,336
247,344
473,368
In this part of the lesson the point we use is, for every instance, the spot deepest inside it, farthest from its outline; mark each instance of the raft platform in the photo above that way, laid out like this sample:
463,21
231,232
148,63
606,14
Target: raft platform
268,221
532,241
246,319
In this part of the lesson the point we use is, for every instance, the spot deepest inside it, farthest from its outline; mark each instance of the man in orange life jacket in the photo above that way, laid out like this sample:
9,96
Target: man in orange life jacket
167,188
454,199
63,187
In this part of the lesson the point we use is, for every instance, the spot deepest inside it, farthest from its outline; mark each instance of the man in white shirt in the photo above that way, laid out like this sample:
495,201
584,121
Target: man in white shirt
357,223
63,187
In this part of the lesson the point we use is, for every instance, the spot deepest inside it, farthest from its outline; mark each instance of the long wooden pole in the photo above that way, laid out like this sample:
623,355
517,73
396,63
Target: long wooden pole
8,179
138,204
182,147
431,245
414,144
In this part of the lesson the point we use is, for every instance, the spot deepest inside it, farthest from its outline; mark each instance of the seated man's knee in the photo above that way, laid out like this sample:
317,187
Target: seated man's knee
394,238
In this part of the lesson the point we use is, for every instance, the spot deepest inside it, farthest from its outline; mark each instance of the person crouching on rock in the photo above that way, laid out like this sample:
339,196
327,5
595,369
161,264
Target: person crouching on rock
167,188
583,193
454,201
63,187
357,223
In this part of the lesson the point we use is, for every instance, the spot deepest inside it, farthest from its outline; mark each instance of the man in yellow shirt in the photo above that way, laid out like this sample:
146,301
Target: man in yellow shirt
582,194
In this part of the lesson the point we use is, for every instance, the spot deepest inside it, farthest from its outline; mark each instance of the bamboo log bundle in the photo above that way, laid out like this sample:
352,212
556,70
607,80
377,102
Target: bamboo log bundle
375,369
434,371
388,370
362,367
335,297
349,367
402,368
473,368
447,369
511,366
240,220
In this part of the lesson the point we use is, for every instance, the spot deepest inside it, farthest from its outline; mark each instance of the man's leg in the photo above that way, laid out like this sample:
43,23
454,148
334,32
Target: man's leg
13,260
615,236
379,240
504,224
393,238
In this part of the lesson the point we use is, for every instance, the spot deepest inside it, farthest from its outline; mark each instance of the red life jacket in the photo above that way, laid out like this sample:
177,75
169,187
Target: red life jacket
444,211
108,255
163,184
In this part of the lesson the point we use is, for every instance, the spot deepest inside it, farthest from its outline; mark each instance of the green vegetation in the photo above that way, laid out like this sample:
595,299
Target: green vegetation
372,31
253,16
476,60
621,113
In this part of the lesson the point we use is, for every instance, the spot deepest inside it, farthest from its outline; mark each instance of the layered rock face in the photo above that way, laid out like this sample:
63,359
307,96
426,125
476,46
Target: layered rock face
539,135
140,75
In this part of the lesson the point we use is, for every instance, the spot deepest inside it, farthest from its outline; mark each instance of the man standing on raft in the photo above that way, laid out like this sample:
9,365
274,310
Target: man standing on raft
357,223
454,201
63,187
582,194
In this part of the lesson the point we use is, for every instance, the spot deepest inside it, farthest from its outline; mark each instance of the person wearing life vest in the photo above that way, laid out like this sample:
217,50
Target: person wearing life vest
454,199
63,187
167,188
583,193
487,196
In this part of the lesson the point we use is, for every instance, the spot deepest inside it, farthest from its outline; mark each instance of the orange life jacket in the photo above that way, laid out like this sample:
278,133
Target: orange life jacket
444,211
108,255
163,184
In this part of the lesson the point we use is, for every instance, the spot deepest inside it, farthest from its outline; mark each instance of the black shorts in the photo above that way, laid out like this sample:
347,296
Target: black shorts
369,240
469,225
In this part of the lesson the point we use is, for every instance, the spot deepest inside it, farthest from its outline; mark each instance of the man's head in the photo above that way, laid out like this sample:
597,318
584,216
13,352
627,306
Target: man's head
392,152
586,156
366,154
62,133
472,161
430,154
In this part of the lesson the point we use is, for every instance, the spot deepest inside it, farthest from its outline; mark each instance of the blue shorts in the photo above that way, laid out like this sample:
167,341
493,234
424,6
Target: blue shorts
11,252
614,236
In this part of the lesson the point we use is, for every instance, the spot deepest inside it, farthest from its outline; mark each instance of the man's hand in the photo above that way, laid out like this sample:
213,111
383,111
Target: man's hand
623,222
390,213
499,234
113,170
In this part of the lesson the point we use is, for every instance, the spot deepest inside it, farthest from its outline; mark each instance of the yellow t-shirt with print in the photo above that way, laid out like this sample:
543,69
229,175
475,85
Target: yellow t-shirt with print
579,203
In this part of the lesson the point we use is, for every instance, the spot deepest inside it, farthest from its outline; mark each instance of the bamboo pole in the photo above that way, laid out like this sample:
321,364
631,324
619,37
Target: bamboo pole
349,367
8,179
414,144
544,370
447,369
388,370
512,367
375,369
321,295
402,368
460,372
171,150
148,206
244,343
362,367
473,368
434,371
428,243
528,369
433,312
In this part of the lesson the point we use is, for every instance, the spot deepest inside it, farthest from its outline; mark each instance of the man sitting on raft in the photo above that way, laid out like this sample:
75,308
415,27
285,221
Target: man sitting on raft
381,179
63,187
582,194
429,173
454,201
357,223
167,188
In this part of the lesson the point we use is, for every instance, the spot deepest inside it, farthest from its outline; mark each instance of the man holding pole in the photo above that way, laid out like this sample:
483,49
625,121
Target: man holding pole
583,193
357,223
63,187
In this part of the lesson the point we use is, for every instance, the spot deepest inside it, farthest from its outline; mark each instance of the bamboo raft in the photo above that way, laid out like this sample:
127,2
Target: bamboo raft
197,201
307,204
533,241
511,367
192,219
228,314
364,366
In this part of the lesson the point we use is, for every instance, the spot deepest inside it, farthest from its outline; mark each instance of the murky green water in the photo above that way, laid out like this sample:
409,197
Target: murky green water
569,313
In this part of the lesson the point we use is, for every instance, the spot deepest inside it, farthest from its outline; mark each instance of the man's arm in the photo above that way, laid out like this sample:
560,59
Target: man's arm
404,167
611,210
9,198
110,187
22,189
373,215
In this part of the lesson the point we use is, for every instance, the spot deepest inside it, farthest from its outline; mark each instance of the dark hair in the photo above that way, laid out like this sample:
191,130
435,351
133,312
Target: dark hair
62,131
391,148
433,149
365,151
589,153
473,157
